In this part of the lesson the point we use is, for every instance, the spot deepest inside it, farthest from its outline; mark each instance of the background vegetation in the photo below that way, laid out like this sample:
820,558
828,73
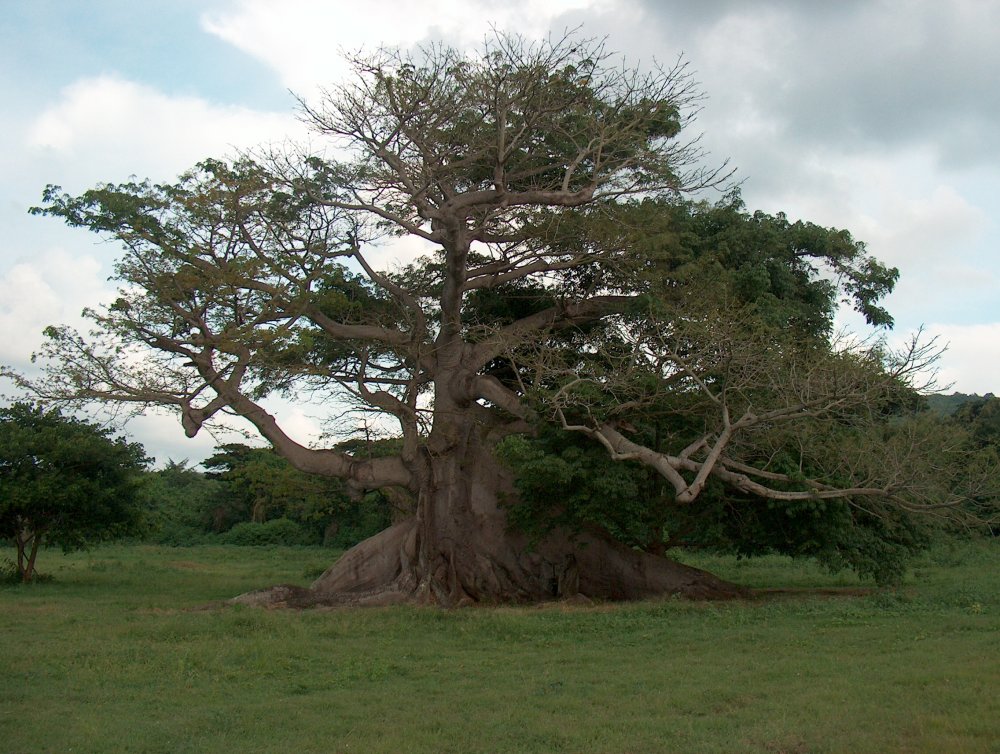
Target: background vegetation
252,496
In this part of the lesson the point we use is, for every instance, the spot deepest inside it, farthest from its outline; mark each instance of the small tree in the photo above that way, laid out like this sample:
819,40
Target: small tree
64,482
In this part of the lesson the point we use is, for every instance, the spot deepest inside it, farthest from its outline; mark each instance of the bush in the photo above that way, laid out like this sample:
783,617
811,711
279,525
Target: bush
279,531
175,534
182,503
358,521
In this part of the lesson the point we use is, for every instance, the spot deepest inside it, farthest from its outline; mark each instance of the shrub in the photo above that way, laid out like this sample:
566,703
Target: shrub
278,531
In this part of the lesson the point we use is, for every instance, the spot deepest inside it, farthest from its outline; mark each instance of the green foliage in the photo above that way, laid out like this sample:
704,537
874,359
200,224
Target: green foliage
664,245
260,486
544,94
739,301
185,505
947,405
64,482
566,482
359,520
277,531
981,416
253,496
9,572
172,270
343,297
877,546
773,263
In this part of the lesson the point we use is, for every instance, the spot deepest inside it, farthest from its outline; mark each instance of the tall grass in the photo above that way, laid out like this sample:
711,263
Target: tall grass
109,657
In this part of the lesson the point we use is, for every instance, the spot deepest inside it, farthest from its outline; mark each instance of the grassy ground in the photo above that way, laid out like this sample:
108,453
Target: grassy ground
106,658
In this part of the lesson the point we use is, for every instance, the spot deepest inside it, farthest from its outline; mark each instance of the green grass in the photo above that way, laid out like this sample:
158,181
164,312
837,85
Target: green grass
107,658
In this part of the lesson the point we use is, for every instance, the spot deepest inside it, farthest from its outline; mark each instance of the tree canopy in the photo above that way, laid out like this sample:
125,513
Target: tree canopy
64,482
571,285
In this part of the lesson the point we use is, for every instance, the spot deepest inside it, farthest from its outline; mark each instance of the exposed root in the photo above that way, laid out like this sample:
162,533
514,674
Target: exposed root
395,567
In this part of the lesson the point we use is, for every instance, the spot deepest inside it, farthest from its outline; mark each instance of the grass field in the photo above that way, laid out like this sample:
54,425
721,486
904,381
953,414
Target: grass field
107,657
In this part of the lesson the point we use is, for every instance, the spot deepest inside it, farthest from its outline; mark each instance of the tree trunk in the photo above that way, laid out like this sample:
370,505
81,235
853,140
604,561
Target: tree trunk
25,559
20,544
458,550
35,542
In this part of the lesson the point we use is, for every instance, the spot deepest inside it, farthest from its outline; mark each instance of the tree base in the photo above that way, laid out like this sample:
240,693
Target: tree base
395,567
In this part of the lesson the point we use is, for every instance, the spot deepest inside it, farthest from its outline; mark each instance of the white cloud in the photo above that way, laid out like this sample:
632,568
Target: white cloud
97,129
52,289
106,128
295,421
972,362
159,430
161,434
303,39
923,229
924,235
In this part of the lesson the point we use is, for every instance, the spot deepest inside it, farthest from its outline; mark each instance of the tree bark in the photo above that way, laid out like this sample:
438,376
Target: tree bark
458,550
29,574
25,559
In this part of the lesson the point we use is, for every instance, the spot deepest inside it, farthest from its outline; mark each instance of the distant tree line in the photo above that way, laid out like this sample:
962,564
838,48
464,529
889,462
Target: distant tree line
69,483
252,496
948,405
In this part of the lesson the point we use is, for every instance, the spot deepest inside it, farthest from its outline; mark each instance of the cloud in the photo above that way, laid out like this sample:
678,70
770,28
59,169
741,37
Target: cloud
97,129
107,127
972,362
857,75
920,230
160,433
159,430
103,129
295,421
303,39
52,289
924,72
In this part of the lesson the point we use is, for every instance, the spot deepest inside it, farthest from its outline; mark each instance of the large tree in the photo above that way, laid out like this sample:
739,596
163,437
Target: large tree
567,284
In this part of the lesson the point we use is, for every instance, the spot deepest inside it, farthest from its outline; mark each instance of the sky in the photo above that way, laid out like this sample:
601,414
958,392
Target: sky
879,117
